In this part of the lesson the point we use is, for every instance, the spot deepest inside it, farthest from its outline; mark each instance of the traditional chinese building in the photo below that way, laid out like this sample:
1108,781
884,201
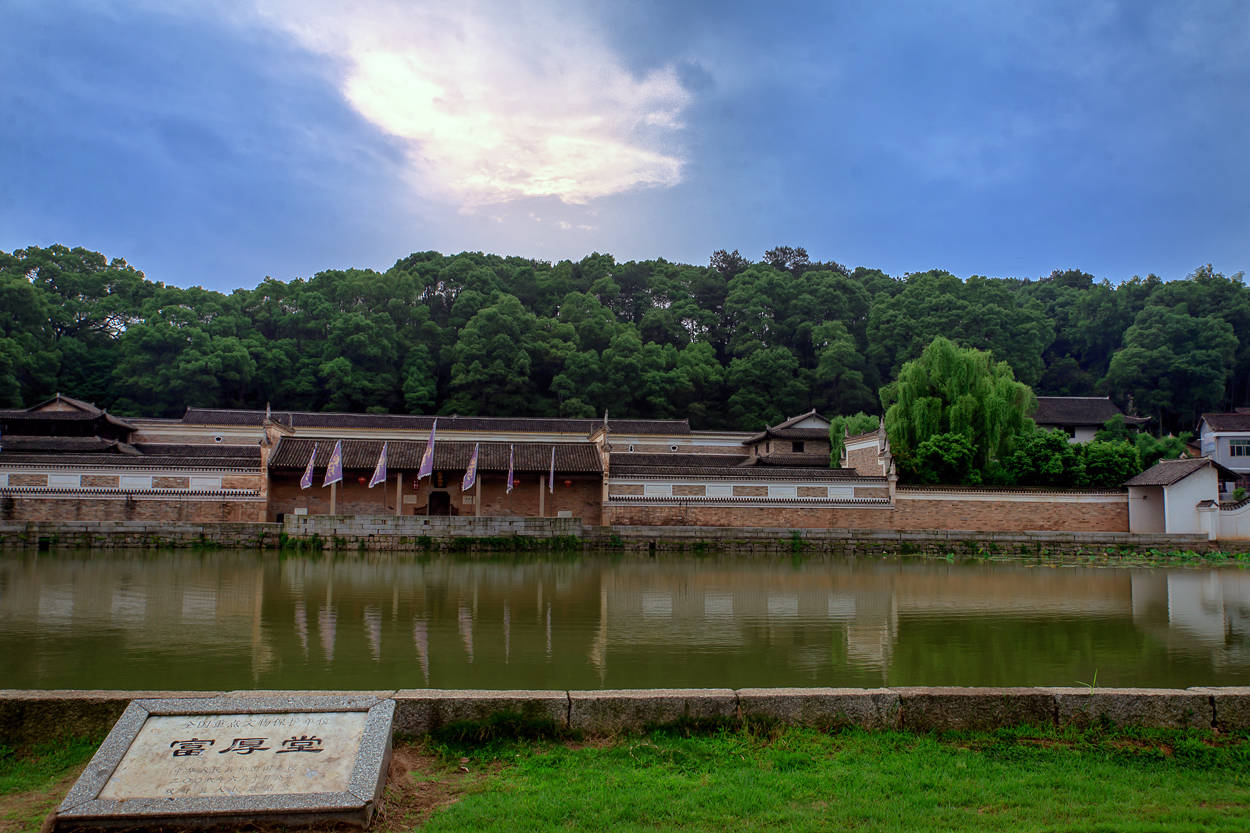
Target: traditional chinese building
65,459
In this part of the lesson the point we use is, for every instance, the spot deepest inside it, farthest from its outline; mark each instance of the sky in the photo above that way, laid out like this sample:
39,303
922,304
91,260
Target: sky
217,142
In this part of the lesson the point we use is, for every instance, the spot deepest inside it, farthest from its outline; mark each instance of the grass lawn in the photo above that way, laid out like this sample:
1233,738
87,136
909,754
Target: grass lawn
1018,779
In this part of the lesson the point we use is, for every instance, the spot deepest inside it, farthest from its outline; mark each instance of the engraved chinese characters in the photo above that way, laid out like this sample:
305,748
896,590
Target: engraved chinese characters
239,754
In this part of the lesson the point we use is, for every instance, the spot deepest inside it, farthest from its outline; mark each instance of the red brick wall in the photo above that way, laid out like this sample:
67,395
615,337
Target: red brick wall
1050,514
790,517
583,498
864,461
30,508
1043,514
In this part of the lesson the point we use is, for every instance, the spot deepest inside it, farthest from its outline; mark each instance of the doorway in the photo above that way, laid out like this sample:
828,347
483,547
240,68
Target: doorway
440,504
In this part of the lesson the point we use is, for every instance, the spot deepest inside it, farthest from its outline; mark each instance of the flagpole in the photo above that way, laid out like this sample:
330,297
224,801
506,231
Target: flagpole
477,497
334,488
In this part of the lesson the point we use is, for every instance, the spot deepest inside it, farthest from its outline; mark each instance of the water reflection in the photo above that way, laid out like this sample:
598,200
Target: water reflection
226,621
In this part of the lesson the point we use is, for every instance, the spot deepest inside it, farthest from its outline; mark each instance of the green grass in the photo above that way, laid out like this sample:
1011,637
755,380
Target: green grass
33,781
790,780
806,780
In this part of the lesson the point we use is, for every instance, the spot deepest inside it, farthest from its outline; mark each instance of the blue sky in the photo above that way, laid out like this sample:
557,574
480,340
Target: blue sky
217,143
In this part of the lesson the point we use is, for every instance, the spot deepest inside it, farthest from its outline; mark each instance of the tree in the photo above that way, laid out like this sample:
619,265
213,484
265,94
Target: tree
944,458
1046,458
767,387
952,390
1173,365
1109,464
788,259
729,264
841,427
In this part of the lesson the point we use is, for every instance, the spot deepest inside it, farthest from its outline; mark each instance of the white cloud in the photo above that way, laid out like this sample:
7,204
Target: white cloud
497,101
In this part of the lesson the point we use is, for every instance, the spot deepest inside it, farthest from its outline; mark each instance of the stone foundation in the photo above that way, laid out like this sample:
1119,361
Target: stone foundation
38,716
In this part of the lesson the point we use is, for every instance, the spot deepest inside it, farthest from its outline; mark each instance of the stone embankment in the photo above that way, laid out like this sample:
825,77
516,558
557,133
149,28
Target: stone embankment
35,716
416,533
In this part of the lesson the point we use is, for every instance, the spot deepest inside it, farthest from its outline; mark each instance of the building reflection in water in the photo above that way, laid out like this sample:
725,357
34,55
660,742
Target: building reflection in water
240,620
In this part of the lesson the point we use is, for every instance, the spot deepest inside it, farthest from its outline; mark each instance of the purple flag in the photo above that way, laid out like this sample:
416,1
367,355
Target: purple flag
510,452
427,459
379,471
306,481
334,468
470,474
551,478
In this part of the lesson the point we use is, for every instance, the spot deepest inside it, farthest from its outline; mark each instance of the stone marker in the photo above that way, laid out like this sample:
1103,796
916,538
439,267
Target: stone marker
208,762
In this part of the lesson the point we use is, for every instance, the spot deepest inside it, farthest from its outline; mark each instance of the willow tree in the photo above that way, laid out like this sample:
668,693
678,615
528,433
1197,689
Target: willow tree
953,390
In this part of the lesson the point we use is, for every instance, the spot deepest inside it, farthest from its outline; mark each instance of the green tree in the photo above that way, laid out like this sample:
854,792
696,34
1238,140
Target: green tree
1173,365
766,387
1109,464
841,427
1046,458
953,390
944,458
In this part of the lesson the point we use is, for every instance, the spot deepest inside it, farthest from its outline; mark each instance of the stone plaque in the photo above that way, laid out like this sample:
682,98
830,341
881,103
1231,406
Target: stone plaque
231,760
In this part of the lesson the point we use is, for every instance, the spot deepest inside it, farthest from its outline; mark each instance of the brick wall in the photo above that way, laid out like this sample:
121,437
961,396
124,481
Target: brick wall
789,517
1006,512
1075,512
120,508
864,460
582,498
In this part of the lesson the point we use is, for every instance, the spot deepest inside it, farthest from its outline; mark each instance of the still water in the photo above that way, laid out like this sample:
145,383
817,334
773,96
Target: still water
244,620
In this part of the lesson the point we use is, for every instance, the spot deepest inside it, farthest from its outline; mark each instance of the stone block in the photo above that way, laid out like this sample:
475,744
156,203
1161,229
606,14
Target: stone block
1231,705
610,711
943,709
821,708
1163,708
28,717
420,711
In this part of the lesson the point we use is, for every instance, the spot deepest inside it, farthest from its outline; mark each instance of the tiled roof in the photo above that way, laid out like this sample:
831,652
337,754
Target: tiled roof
805,459
797,419
293,454
64,445
220,452
1167,472
87,407
789,434
409,422
867,435
664,459
1077,410
126,461
1236,421
738,473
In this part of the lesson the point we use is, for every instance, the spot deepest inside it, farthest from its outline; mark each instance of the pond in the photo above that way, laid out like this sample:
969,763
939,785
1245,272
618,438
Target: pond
231,620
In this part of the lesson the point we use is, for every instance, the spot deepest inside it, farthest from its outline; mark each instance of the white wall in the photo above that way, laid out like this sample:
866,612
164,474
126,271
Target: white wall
1234,523
1182,500
1084,434
1145,509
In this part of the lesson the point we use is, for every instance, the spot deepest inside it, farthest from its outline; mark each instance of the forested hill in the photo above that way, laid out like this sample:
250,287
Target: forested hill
733,343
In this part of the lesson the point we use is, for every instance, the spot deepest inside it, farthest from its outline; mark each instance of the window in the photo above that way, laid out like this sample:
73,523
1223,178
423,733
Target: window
798,446
1239,448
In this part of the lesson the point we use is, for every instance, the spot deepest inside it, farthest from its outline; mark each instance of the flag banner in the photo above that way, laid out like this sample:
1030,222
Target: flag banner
427,459
470,474
551,477
334,468
510,458
305,482
379,471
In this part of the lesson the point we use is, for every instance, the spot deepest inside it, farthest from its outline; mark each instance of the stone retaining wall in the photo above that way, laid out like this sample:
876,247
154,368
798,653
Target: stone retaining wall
34,716
390,531
407,533
137,535
904,541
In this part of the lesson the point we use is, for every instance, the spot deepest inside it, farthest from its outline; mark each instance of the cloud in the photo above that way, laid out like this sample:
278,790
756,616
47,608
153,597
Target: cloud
498,101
